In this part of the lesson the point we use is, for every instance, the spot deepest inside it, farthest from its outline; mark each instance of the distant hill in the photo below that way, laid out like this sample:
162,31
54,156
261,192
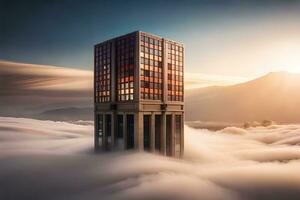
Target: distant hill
275,96
67,114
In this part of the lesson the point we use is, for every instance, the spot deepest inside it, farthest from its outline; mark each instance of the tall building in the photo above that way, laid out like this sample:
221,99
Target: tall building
138,94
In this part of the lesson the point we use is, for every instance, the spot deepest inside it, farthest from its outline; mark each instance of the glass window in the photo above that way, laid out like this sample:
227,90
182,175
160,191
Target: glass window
102,75
151,76
175,75
125,67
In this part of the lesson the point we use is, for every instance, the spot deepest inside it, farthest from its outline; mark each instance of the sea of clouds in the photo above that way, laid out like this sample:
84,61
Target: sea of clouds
55,160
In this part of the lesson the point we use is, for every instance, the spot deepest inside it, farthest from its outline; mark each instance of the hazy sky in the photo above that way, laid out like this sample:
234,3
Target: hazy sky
236,38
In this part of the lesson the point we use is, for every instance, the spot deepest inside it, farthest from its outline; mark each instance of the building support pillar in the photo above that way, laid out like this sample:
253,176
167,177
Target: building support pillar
152,133
96,132
182,136
163,133
114,130
104,134
173,135
139,131
125,130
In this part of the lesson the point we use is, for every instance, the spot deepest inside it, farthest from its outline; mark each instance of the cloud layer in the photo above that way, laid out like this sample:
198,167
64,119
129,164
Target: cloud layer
30,79
53,160
29,89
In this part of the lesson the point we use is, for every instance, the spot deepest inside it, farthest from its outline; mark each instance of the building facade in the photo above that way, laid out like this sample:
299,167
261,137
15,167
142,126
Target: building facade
139,94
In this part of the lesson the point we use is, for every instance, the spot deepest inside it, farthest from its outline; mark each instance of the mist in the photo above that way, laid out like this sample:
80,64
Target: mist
55,160
28,90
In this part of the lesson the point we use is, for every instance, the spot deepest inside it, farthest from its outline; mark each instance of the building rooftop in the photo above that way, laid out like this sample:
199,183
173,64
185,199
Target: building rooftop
146,33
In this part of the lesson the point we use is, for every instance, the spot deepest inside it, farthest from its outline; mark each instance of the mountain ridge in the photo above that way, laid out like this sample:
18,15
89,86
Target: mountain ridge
273,96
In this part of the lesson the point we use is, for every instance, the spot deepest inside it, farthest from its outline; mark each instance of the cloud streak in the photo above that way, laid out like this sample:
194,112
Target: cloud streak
29,89
200,80
30,79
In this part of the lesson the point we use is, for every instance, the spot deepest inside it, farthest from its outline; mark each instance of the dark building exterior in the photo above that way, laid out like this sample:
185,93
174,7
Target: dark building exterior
139,94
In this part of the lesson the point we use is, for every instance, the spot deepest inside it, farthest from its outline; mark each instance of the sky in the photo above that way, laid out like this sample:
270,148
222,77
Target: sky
241,39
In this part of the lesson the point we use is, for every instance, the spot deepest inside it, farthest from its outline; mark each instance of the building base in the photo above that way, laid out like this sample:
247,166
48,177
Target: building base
156,132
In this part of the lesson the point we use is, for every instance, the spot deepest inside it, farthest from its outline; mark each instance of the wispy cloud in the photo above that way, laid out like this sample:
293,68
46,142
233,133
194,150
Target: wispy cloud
198,80
34,79
22,78
29,89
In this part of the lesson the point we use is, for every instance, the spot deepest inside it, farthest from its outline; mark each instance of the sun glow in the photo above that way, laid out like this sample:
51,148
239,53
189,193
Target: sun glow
294,69
288,57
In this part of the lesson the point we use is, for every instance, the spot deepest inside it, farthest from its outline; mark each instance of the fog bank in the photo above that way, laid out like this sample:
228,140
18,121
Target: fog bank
54,160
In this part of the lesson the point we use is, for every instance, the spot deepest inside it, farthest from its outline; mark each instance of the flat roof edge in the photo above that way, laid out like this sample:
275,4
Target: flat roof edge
138,31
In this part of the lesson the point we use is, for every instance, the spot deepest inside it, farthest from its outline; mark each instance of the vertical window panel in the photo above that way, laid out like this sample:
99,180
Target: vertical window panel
125,49
102,75
175,75
151,86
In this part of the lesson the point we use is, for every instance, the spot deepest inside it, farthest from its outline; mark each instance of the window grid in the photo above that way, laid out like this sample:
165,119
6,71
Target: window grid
125,49
151,68
175,72
103,72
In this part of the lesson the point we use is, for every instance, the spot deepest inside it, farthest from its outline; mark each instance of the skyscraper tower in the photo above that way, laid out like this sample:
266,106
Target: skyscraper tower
139,94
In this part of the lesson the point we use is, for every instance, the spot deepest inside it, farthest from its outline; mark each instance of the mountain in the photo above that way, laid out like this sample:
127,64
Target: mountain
67,114
275,96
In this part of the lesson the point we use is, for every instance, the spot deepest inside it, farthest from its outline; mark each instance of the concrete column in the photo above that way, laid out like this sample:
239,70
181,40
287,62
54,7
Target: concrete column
125,131
138,131
141,131
96,134
163,133
113,130
182,136
173,135
152,133
104,134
